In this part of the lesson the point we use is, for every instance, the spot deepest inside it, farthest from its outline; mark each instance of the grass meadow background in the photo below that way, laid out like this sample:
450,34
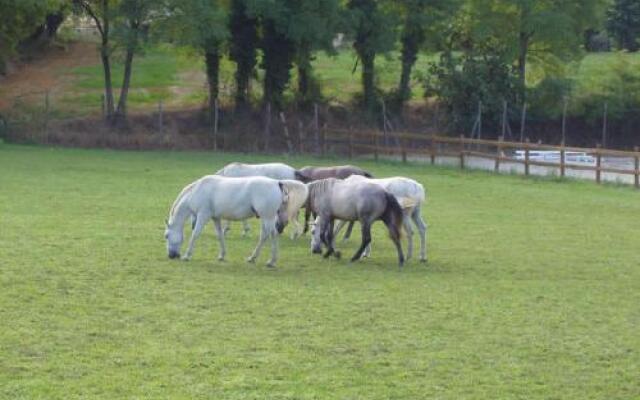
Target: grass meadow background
531,291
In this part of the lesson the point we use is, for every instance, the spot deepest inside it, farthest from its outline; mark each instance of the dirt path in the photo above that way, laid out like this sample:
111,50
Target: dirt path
51,71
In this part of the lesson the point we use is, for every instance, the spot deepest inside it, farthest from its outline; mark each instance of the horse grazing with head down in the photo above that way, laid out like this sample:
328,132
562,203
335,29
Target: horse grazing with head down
361,201
215,197
411,196
278,171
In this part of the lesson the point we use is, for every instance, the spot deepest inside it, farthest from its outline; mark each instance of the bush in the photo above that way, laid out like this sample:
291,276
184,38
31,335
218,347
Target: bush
461,82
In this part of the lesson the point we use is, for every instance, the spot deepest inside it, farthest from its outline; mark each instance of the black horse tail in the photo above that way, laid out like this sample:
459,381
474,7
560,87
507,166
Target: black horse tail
393,216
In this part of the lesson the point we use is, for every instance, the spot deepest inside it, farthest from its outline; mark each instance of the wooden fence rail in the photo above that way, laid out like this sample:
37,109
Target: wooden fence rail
433,146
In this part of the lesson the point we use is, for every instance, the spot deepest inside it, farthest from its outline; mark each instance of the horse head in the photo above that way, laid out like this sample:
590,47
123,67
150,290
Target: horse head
173,236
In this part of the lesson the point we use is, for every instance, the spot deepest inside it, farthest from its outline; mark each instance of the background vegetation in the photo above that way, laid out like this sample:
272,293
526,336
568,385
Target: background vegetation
531,290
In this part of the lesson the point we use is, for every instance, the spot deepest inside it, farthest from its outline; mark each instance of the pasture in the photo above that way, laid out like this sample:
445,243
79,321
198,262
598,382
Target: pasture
531,291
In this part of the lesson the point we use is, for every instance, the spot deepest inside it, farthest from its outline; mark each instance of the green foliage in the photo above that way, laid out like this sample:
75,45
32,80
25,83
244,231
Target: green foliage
373,28
19,19
529,292
242,48
462,81
623,23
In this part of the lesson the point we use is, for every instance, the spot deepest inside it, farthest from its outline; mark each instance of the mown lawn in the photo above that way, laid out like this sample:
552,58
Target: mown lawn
531,291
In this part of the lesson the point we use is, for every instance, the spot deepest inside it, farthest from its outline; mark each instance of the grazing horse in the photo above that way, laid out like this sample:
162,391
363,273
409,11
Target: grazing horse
360,201
278,171
215,197
310,174
411,196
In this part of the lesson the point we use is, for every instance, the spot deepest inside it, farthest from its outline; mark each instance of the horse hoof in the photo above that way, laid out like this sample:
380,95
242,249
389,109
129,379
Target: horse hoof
338,254
221,258
271,265
251,260
185,258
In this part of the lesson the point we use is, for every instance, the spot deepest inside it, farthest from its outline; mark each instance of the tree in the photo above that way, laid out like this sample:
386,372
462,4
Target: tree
372,25
423,21
131,30
102,13
242,48
202,25
623,22
19,19
550,30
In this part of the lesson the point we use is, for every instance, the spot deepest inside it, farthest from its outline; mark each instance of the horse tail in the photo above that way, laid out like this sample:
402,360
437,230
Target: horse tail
297,194
392,216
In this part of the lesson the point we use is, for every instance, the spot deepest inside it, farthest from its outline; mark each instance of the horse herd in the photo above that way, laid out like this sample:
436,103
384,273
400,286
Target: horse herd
276,192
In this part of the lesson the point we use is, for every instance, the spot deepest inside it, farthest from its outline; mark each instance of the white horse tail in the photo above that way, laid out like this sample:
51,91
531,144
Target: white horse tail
407,203
296,194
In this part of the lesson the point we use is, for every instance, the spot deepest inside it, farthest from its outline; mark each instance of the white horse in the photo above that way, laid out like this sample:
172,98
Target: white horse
411,196
277,171
215,197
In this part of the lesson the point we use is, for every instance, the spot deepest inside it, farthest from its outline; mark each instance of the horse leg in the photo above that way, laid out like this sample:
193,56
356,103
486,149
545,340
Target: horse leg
341,224
407,227
396,241
197,230
347,234
226,227
264,234
218,226
274,247
422,231
326,234
245,228
307,214
366,239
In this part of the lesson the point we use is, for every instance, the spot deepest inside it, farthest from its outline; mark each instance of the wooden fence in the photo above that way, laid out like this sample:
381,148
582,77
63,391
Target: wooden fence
374,143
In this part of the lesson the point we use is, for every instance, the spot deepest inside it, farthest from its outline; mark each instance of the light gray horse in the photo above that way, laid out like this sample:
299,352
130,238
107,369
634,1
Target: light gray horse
361,201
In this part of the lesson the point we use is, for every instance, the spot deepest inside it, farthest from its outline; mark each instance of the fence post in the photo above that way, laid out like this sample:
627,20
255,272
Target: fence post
562,160
403,150
160,122
462,151
523,121
316,128
526,157
564,120
637,172
215,124
496,167
505,109
604,124
46,116
267,128
302,137
350,144
286,133
598,163
433,150
324,140
375,145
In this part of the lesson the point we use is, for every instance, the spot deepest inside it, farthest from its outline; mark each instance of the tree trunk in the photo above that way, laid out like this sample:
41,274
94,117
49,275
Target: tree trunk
108,85
277,62
212,61
243,43
304,73
121,112
411,41
368,80
522,63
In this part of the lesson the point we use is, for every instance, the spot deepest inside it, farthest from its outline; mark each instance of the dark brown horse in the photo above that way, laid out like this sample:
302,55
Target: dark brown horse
310,174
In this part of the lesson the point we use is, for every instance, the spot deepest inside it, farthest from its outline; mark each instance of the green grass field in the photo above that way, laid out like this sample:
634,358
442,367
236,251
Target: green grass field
531,291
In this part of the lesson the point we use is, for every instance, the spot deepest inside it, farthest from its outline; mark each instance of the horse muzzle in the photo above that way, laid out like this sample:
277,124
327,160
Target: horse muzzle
280,227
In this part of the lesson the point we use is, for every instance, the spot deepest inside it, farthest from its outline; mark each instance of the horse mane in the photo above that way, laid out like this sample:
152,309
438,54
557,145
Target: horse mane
321,186
187,189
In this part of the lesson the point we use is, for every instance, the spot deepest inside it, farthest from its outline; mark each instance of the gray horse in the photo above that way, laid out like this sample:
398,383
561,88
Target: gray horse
310,174
361,201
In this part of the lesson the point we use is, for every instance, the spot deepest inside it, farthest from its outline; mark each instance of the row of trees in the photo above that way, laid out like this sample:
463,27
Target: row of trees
486,45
